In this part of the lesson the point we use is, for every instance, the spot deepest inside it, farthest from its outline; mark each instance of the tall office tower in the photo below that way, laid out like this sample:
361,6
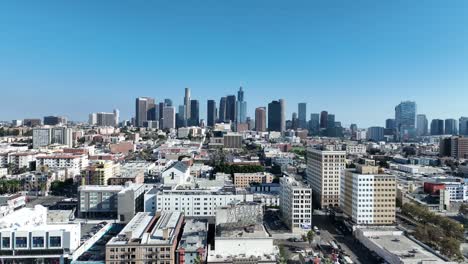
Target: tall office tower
323,119
451,127
375,134
353,128
54,120
314,123
116,117
421,125
241,107
168,102
211,113
231,108
222,109
294,121
372,205
324,169
152,112
302,110
276,120
405,120
194,113
144,110
181,119
187,103
105,119
390,123
283,115
331,121
260,119
463,126
250,123
92,119
161,106
437,127
168,117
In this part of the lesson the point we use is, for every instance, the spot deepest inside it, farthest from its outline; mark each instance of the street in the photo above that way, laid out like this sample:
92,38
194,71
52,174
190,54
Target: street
329,231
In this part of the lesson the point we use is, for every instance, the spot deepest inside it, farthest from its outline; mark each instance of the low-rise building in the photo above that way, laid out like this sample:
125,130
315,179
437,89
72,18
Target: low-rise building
393,246
192,202
99,172
115,201
232,140
193,243
242,180
11,202
147,238
75,163
177,173
27,237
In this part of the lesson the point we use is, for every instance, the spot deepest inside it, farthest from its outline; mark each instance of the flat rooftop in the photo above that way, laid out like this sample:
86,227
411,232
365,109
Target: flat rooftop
142,229
248,232
390,239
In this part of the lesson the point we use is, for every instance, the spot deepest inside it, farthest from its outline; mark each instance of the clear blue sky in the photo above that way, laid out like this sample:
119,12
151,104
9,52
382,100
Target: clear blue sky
356,59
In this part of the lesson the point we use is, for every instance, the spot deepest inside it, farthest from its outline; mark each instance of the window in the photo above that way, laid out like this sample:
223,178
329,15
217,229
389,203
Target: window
55,241
21,242
38,242
6,242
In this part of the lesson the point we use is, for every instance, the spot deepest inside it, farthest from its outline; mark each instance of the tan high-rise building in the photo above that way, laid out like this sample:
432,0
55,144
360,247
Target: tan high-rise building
368,197
324,169
260,119
459,147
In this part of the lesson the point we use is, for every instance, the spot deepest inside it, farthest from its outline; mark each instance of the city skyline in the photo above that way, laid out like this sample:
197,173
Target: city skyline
366,59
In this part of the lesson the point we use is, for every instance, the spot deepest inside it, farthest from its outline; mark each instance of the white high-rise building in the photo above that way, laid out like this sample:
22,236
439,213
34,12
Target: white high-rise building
296,204
324,169
116,117
45,136
368,196
92,119
41,137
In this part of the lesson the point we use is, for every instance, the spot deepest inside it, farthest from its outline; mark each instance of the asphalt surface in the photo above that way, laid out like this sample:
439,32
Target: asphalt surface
331,231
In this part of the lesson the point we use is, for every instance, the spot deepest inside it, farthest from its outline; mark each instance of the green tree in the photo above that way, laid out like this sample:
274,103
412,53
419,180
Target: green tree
310,236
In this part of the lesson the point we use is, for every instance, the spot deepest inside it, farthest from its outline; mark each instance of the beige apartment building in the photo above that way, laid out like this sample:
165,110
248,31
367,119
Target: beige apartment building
242,180
146,239
367,196
324,169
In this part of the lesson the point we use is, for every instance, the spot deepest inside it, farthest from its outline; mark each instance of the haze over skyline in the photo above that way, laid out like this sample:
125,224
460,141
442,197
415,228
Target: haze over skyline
357,60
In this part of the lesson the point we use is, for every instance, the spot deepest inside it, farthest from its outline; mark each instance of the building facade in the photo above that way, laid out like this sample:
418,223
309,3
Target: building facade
368,197
324,169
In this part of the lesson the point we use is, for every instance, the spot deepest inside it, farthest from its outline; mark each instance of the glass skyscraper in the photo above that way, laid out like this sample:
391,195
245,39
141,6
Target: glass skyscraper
405,120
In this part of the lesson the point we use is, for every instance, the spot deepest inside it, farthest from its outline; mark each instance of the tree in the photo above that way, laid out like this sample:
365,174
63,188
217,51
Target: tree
463,209
198,260
451,248
283,255
310,237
